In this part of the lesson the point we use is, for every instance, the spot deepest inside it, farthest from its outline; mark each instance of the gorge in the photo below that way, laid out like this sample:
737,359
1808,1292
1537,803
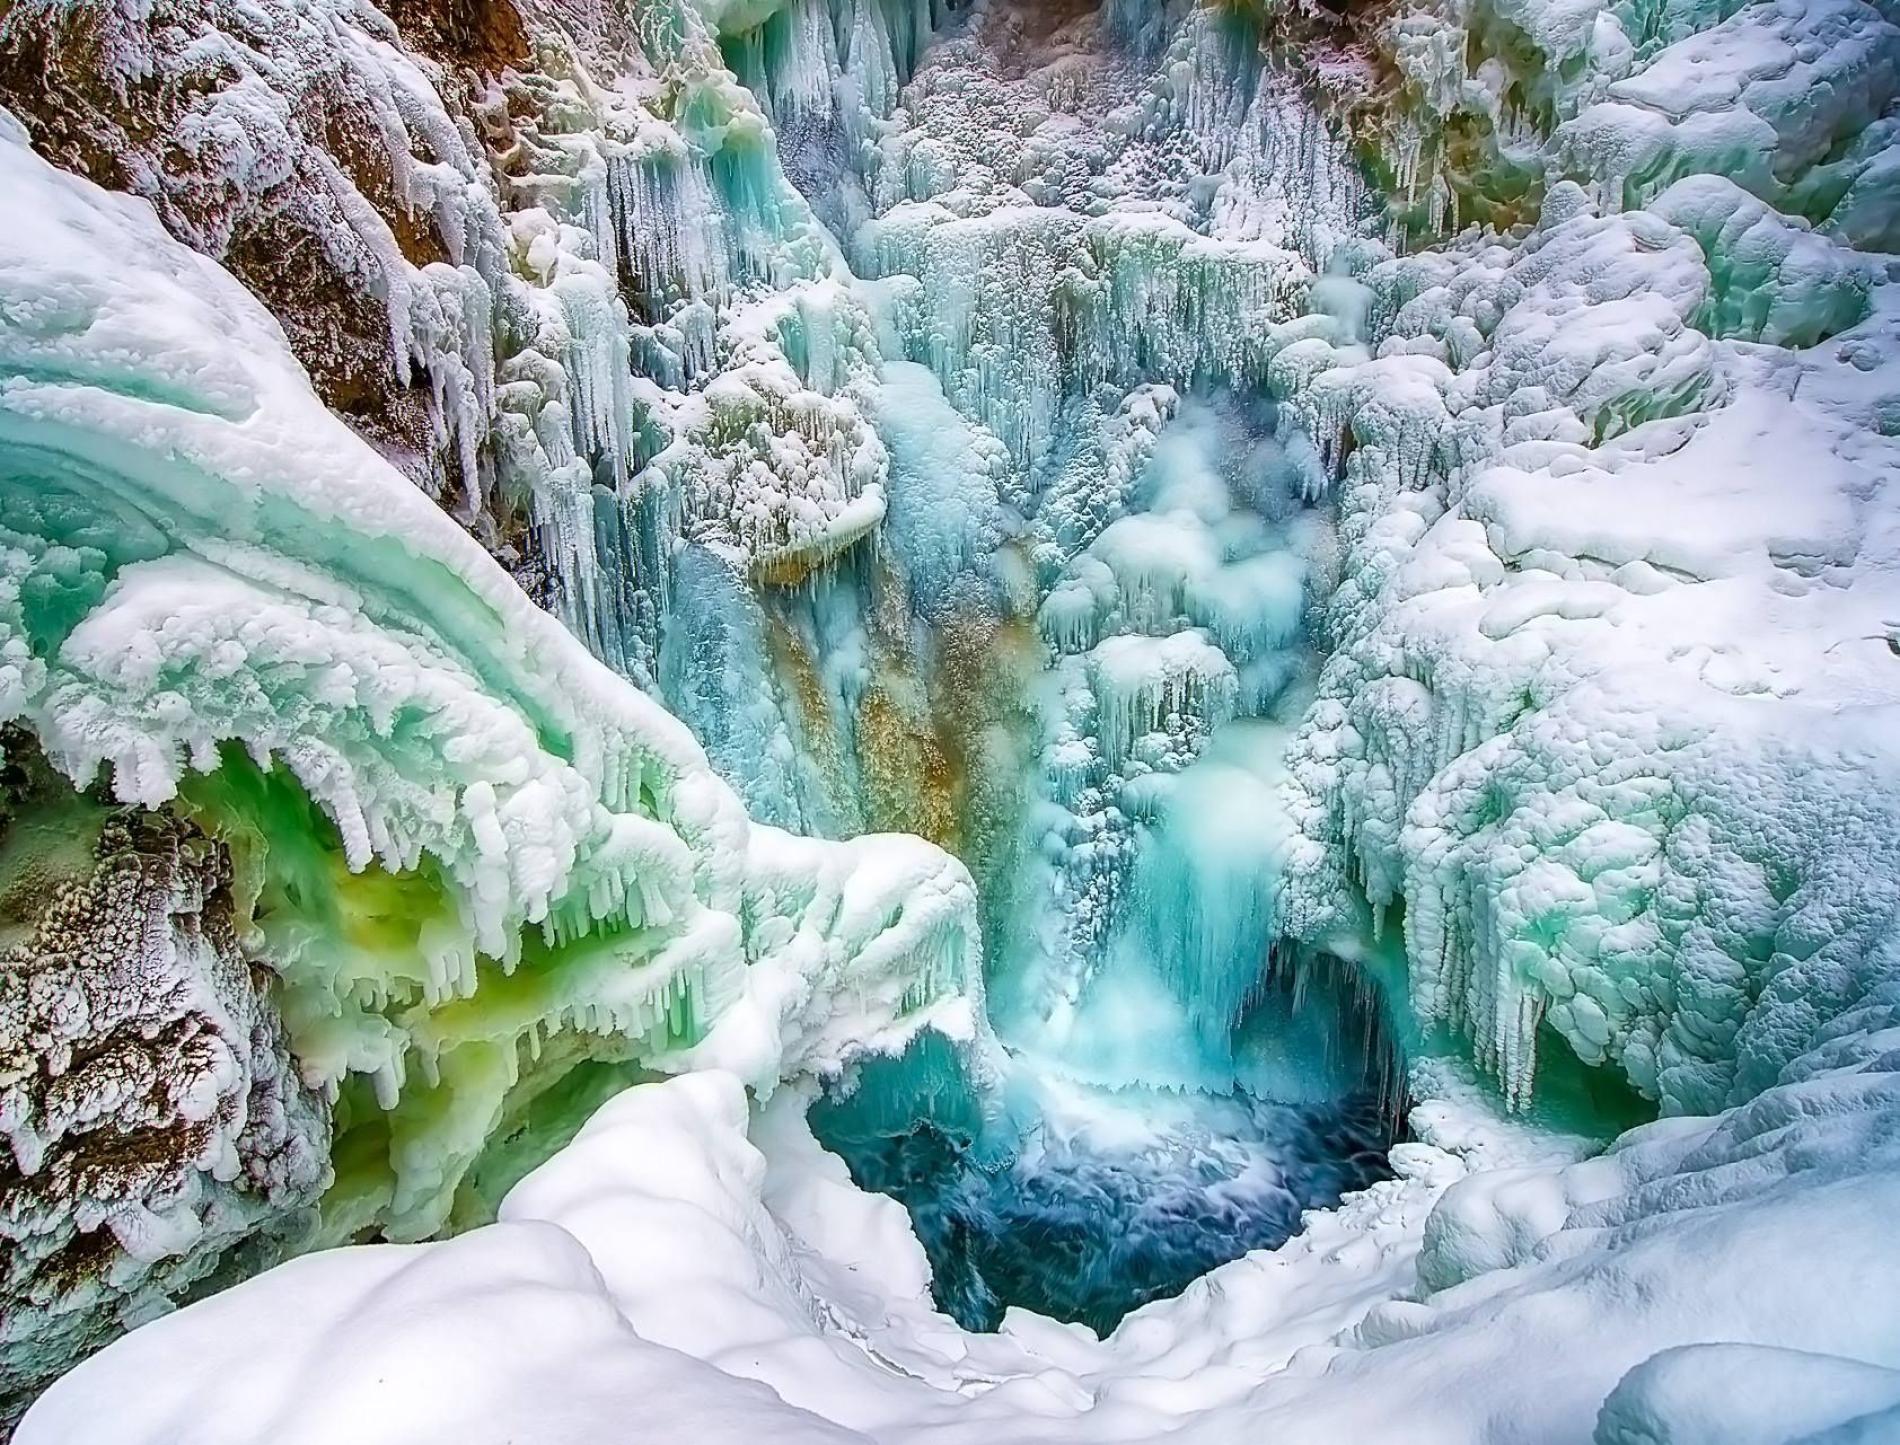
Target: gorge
897,720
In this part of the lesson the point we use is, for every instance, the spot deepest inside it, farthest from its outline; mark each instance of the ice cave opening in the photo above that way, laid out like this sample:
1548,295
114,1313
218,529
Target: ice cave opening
1083,1200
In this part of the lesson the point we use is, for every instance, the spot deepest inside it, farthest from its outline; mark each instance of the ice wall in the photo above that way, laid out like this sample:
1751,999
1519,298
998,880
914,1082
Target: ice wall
467,858
1604,716
1153,822
1061,242
1072,254
1043,247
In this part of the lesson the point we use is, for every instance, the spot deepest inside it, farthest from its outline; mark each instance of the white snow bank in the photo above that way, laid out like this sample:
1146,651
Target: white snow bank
1613,701
508,1333
1730,1394
661,1233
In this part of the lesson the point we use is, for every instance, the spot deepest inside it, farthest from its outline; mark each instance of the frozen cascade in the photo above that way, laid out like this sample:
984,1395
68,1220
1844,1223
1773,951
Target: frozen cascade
1168,1106
1365,530
1086,345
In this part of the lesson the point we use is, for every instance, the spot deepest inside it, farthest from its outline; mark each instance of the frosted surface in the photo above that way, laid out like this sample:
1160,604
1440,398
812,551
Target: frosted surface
1371,541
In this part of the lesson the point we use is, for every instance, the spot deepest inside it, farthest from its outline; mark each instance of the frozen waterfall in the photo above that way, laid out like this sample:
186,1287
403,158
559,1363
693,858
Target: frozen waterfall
955,721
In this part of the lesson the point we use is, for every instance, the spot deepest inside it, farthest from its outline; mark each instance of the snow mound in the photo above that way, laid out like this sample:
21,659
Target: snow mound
1650,1278
1608,714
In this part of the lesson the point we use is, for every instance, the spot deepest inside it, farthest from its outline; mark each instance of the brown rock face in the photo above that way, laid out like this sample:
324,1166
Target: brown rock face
286,142
153,1120
479,37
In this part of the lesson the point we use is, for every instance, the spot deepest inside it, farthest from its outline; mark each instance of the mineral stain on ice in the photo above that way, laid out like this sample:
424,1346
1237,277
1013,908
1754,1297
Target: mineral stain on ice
1170,1095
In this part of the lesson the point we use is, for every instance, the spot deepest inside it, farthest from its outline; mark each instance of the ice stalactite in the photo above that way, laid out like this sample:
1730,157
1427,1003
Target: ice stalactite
467,858
721,372
1531,774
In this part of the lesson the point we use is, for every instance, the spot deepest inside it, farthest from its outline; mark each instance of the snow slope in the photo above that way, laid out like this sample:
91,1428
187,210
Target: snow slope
661,1241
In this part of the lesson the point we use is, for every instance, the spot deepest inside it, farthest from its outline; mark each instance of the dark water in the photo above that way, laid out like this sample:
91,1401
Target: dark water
1084,1203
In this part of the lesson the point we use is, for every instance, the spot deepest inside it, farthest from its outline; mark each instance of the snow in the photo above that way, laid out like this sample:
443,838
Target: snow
1748,1393
1531,652
662,1229
1620,631
471,1319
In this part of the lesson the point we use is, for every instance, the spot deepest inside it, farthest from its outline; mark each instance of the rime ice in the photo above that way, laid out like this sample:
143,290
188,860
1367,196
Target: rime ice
1370,538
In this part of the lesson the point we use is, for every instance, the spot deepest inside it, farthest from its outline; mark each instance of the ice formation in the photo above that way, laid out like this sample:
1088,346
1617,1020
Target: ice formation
472,859
1365,530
